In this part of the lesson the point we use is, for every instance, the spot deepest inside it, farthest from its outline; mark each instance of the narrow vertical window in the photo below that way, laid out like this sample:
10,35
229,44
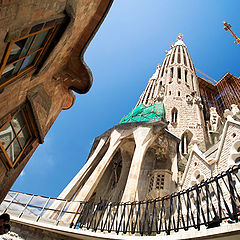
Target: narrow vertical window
174,115
172,72
170,93
186,76
179,73
173,56
179,56
179,93
185,141
184,59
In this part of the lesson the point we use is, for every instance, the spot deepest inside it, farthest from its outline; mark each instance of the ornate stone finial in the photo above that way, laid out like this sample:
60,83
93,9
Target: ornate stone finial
179,36
166,51
172,45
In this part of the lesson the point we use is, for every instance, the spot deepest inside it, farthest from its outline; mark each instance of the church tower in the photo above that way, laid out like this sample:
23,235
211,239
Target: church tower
175,84
138,159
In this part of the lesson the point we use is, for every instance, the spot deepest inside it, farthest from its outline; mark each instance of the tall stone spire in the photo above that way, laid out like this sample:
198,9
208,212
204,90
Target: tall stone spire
175,84
135,162
177,66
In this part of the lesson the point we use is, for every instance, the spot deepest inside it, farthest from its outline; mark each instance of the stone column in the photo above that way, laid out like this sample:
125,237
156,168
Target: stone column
174,167
92,182
143,138
185,144
195,84
71,189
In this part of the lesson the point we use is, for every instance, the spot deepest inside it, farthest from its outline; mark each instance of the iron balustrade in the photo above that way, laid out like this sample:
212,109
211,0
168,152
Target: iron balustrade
211,203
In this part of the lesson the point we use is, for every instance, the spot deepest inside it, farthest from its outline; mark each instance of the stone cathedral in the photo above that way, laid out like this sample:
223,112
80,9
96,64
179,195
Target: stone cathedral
174,138
170,165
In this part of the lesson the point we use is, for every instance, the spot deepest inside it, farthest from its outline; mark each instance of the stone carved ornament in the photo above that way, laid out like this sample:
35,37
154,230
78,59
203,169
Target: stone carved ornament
180,36
189,99
194,99
234,112
215,120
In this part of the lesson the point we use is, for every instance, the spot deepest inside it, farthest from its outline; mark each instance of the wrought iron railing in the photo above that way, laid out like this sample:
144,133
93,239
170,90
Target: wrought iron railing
211,203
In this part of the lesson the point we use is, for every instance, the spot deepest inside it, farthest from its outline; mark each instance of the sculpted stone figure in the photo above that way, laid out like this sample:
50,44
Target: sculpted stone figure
235,110
215,120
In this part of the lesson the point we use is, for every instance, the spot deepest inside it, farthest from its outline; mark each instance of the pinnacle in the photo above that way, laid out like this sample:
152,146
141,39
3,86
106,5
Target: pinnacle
179,40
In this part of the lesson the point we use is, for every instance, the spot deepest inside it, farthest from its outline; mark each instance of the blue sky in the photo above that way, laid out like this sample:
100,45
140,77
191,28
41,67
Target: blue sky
123,56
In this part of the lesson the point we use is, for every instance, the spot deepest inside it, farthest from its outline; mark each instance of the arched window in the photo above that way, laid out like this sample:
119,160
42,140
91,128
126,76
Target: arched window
170,93
179,93
174,115
185,141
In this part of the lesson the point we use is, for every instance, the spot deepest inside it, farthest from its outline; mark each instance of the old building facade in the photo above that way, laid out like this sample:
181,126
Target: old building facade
41,50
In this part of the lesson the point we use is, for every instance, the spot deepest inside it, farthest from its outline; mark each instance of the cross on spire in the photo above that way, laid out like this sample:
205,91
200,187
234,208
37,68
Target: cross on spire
179,36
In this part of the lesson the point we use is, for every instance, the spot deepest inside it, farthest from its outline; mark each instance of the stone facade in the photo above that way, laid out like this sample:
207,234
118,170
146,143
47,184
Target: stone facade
147,160
46,88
